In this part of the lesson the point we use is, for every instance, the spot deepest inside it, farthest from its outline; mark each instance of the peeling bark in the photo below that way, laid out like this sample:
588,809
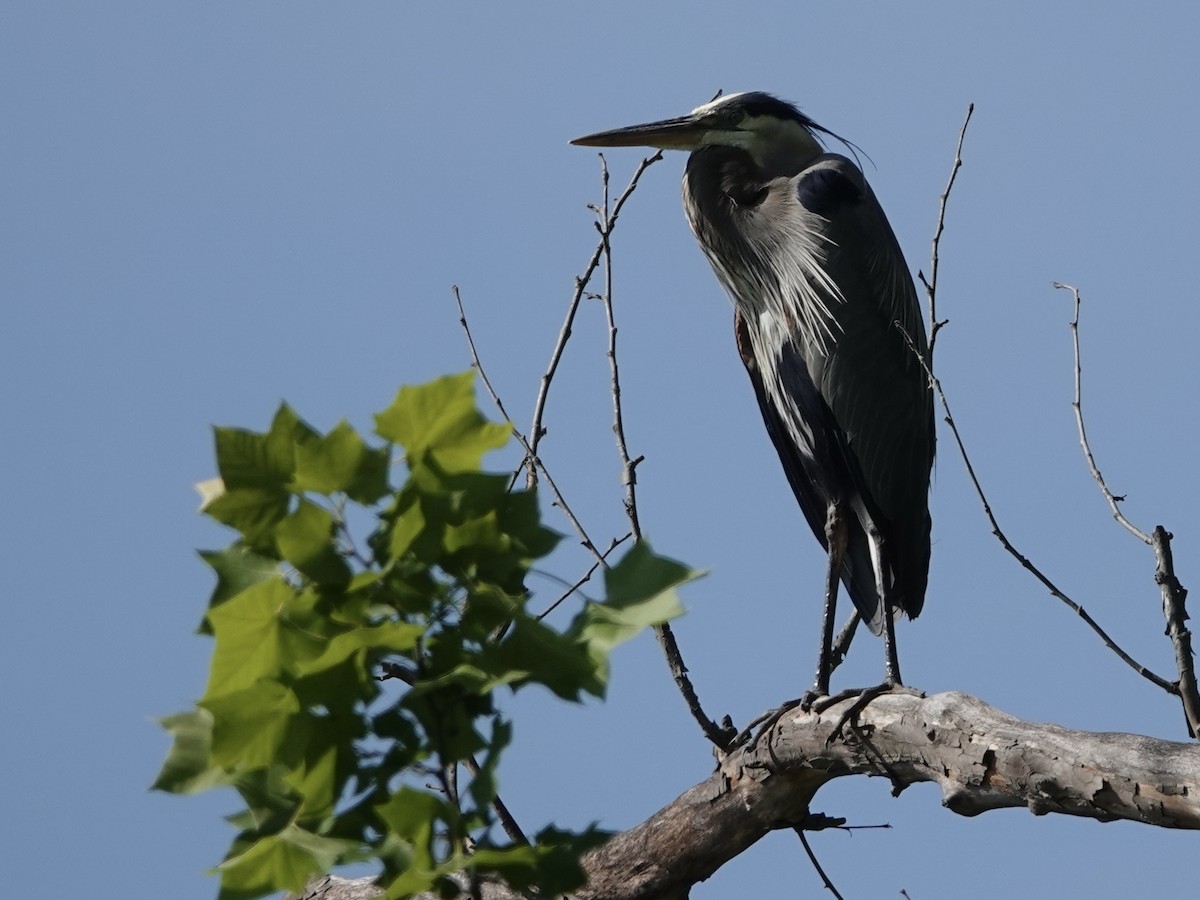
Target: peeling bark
981,758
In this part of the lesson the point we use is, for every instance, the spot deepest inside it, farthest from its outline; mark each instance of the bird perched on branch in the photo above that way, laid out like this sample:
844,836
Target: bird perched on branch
829,328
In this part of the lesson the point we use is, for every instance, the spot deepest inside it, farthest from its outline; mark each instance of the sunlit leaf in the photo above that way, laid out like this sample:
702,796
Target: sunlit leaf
341,462
254,726
265,632
641,594
248,459
535,653
282,860
188,768
237,567
306,540
393,636
253,511
440,418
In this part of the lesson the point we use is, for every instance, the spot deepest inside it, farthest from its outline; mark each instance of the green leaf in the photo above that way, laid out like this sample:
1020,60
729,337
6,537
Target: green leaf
411,815
188,768
306,540
282,860
405,529
642,575
339,689
441,419
256,727
320,777
253,511
341,462
270,804
391,636
265,632
550,863
533,652
522,519
237,567
247,459
641,593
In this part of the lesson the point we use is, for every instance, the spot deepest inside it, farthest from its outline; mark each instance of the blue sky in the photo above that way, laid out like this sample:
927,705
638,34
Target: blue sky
207,208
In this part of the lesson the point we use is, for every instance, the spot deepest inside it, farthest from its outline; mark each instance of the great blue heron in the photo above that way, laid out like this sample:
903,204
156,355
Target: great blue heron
823,303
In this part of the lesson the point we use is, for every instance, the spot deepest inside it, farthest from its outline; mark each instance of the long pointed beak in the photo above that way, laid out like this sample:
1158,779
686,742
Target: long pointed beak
683,133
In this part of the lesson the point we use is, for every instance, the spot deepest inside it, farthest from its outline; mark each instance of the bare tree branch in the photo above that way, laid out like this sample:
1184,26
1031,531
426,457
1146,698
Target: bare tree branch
666,637
531,457
532,461
931,284
580,582
981,758
1174,597
1173,593
1077,405
537,429
628,465
1168,686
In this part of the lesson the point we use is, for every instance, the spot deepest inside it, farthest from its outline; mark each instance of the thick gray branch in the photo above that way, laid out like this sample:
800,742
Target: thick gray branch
981,758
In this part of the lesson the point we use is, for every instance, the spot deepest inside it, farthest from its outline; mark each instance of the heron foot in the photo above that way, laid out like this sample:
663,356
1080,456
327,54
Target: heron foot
816,698
862,698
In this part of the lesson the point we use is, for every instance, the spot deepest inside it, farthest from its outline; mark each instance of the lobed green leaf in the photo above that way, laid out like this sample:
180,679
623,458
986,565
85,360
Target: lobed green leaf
440,419
306,540
265,632
188,768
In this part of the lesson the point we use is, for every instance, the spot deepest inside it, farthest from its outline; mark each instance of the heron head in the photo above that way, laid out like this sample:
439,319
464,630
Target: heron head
769,129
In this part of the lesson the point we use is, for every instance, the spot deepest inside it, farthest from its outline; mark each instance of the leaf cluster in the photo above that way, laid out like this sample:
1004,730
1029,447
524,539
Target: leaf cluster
352,696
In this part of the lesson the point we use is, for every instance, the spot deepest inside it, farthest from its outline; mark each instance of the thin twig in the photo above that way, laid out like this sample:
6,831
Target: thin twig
721,737
666,637
812,857
628,466
1174,597
530,453
507,822
537,430
477,364
1077,404
931,284
1169,686
570,591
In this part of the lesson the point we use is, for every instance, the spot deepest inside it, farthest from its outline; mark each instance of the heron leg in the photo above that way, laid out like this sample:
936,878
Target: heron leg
891,661
836,538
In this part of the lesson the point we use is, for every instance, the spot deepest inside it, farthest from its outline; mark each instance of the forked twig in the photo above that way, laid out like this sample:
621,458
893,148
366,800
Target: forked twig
537,430
931,284
1169,686
628,465
580,582
1174,595
533,463
530,454
666,637
841,644
1077,404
